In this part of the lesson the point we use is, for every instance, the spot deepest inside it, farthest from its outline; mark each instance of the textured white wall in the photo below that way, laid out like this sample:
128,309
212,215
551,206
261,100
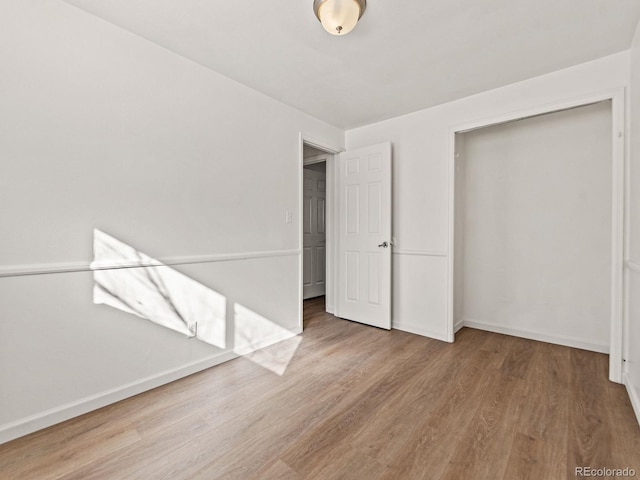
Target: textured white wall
421,155
535,211
102,129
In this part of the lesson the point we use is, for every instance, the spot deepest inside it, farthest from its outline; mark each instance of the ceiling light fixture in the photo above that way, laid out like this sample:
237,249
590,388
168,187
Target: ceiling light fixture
339,17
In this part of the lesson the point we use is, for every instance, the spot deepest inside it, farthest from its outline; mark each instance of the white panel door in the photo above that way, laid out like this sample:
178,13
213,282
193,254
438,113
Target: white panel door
313,234
364,235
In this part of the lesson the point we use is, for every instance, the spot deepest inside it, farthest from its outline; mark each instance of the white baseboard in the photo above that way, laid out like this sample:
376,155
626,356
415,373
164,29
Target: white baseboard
45,419
539,336
419,331
457,326
634,394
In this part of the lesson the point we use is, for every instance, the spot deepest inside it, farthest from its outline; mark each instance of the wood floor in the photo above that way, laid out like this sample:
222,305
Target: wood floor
356,403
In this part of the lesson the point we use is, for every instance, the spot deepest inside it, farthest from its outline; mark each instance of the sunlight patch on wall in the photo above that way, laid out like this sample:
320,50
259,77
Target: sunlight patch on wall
157,293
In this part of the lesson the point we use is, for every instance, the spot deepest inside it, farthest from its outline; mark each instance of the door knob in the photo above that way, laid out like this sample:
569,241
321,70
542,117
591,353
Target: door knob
384,245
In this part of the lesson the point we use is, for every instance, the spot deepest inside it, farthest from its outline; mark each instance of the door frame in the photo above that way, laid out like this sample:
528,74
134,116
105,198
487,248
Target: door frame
331,215
620,203
313,160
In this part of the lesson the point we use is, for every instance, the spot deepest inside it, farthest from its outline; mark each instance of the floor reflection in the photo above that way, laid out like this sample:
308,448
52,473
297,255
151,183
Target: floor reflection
252,331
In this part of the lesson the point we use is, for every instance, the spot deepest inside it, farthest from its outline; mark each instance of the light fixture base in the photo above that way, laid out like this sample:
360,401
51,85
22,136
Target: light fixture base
338,16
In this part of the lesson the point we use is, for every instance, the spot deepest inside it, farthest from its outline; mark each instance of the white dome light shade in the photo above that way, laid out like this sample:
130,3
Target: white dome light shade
339,17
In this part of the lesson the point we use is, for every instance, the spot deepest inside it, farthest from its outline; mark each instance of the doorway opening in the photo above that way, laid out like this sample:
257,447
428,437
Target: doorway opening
317,225
314,231
533,203
526,261
357,231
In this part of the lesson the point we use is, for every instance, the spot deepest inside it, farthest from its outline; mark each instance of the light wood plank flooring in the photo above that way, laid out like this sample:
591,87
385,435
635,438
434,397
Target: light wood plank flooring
356,403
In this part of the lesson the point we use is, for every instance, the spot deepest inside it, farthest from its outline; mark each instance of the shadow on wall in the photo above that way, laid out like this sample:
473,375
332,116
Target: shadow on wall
133,282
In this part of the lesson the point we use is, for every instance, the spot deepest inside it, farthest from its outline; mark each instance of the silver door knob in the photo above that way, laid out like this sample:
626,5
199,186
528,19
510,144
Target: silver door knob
384,245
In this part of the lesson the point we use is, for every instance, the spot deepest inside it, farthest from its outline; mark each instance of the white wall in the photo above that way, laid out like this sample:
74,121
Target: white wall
102,129
632,354
421,153
534,203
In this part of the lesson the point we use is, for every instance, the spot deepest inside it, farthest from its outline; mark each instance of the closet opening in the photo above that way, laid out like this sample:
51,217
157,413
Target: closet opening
537,228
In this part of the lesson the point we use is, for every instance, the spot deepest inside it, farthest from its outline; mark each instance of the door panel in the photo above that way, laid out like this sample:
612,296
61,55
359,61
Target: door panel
307,217
352,274
364,185
307,256
374,278
353,209
320,264
375,208
321,216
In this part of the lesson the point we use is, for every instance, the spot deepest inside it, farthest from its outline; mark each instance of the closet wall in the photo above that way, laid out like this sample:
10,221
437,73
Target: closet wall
533,227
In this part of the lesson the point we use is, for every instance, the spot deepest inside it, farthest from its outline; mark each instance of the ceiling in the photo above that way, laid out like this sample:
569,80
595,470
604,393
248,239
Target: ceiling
404,55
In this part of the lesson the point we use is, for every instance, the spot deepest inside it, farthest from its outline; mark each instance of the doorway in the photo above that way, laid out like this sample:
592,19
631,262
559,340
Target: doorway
316,224
357,231
314,232
608,106
534,214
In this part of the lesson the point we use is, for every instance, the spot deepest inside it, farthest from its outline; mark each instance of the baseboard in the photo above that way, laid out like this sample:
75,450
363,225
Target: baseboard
457,326
419,331
539,336
634,395
60,414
